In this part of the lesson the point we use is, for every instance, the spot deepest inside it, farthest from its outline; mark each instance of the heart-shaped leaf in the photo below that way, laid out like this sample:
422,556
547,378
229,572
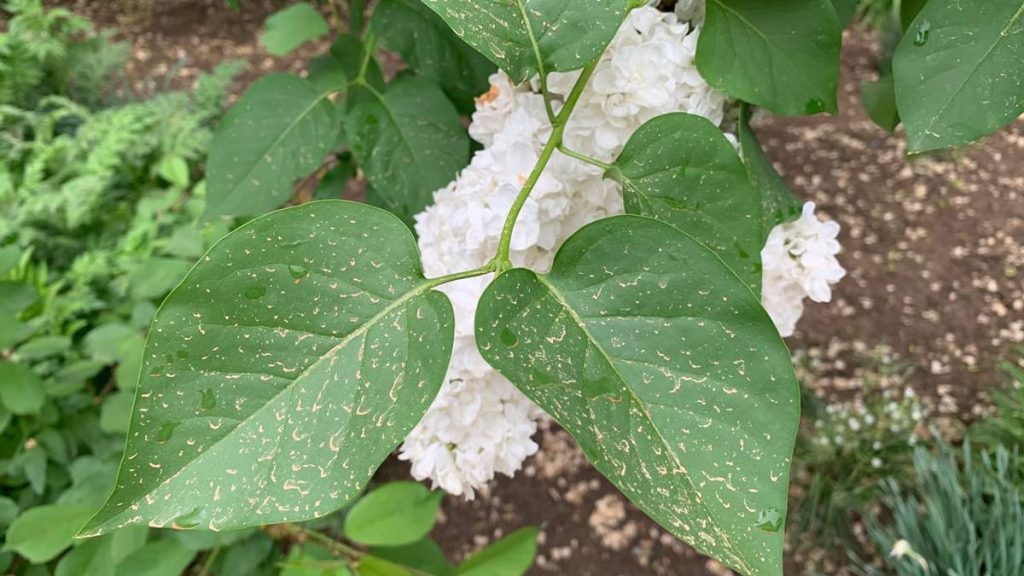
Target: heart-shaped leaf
278,376
680,169
566,34
665,368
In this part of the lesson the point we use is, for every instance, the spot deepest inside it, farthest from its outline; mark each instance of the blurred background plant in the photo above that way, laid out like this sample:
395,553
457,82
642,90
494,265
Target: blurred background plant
100,204
846,448
962,514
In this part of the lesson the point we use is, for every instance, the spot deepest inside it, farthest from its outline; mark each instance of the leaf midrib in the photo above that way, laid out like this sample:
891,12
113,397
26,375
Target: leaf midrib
418,290
560,298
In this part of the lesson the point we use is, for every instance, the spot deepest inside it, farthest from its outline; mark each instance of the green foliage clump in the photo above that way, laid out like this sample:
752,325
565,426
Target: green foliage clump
98,204
53,52
1006,425
845,453
962,516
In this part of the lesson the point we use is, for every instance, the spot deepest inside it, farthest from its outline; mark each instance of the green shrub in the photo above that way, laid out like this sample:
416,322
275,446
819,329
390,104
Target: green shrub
98,204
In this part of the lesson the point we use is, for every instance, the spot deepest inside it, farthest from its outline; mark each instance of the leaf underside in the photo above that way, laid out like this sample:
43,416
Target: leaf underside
278,376
668,373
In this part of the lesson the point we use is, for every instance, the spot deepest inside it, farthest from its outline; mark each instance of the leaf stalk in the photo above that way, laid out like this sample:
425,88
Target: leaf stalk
502,259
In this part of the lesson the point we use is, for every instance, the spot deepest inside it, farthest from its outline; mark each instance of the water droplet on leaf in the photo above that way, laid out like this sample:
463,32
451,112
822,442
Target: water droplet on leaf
166,431
923,30
815,106
508,338
769,520
188,520
209,401
255,292
298,272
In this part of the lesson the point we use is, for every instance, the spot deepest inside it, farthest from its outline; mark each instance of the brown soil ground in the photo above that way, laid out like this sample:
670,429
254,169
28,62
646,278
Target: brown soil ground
934,249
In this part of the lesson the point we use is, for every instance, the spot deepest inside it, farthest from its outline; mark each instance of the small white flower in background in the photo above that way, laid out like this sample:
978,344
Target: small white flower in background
876,463
799,262
901,548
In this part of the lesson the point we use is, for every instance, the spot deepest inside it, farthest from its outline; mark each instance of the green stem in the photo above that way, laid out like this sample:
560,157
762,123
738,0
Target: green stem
485,269
331,544
542,72
369,45
208,562
502,260
353,554
583,157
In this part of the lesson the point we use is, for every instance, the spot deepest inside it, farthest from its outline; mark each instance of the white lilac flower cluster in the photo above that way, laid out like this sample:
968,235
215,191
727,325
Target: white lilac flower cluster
799,261
480,424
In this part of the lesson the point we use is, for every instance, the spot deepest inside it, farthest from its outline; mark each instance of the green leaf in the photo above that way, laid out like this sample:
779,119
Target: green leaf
34,462
326,74
90,558
43,347
845,9
429,47
778,203
511,556
174,169
393,515
958,72
880,102
166,557
104,342
21,390
155,277
14,297
667,371
569,34
280,407
126,541
909,9
332,185
680,169
8,511
781,55
279,131
410,142
9,257
313,560
424,555
244,558
43,532
287,29
116,413
371,566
